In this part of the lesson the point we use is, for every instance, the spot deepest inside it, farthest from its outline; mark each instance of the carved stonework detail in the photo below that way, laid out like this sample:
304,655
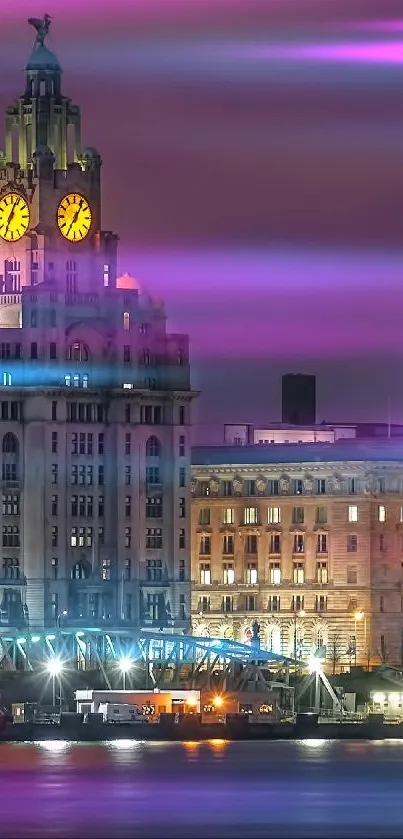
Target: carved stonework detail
284,484
261,485
214,486
334,484
308,483
237,485
193,487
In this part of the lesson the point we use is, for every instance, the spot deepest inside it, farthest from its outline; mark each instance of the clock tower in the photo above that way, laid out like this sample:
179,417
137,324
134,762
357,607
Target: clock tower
50,193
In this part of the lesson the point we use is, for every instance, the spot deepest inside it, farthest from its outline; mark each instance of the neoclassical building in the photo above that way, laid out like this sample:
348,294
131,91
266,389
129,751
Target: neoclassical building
307,540
94,393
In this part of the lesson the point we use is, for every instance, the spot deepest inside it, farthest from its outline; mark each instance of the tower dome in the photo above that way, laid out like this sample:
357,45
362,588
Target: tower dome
43,59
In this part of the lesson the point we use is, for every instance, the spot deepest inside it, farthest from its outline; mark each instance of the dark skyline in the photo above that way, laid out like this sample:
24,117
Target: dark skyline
253,167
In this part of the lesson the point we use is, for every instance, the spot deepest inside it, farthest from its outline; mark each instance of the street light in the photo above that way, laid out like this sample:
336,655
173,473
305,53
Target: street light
299,614
55,667
125,664
359,615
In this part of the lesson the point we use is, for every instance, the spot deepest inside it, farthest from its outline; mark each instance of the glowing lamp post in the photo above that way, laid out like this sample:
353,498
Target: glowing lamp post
125,665
55,667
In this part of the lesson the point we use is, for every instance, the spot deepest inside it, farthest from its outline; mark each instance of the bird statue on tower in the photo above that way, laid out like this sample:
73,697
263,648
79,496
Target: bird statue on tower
42,27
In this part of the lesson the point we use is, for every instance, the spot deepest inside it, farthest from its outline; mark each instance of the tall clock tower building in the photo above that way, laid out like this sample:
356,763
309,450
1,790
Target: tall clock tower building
55,233
94,394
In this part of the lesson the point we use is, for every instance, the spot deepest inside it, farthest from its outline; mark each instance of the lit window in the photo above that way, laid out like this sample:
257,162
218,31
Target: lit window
228,574
85,380
205,574
106,275
76,380
381,513
67,381
127,386
7,379
250,515
275,574
251,574
126,320
228,516
353,512
274,515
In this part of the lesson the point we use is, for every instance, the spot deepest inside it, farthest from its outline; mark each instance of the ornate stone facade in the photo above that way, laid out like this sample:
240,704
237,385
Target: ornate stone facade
317,559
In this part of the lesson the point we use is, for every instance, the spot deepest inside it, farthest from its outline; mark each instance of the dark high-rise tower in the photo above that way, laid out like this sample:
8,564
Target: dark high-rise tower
298,399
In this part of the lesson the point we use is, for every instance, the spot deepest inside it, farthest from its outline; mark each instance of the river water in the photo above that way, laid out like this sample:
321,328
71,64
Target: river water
306,788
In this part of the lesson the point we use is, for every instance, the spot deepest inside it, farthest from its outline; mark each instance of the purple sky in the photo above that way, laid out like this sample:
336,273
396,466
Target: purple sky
253,166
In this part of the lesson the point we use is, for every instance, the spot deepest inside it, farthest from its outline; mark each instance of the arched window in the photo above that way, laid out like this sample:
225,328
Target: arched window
78,352
10,444
153,447
80,571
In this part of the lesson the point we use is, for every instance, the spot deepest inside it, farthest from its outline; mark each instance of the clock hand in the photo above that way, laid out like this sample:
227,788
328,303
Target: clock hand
10,217
76,215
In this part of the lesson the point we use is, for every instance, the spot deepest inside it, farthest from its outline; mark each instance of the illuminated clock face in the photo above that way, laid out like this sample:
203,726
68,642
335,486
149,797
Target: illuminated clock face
14,217
74,217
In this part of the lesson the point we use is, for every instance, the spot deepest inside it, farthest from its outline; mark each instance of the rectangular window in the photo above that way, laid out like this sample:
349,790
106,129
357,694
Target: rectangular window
55,536
274,515
154,507
228,574
275,543
106,569
298,574
297,603
128,443
154,574
154,538
100,443
228,516
299,543
181,415
297,486
205,545
54,505
182,508
182,477
352,543
205,574
204,604
352,486
128,537
322,573
128,476
381,542
273,603
353,513
227,603
228,544
250,487
250,603
54,442
204,516
298,516
153,475
251,544
321,515
34,350
182,540
273,487
250,515
182,445
251,574
54,473
320,486
274,573
55,567
52,350
321,543
128,411
227,489
128,506
320,603
351,575
126,353
381,512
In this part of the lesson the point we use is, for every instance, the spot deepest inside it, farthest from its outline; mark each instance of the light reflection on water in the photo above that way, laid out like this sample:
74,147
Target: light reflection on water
215,788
